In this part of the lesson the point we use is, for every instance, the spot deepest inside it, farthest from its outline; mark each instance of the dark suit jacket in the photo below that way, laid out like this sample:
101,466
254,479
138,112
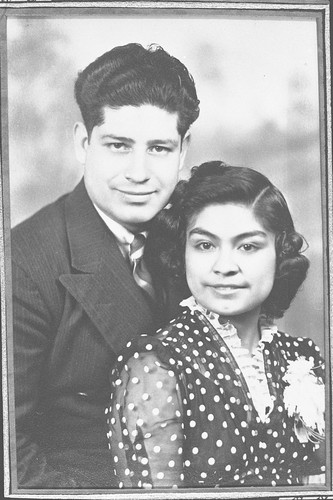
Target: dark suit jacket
75,306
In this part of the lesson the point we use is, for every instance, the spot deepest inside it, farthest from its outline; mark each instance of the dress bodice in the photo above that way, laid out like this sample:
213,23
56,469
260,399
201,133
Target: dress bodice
182,414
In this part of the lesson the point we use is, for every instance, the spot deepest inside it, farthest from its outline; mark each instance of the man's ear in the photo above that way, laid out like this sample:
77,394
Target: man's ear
81,142
184,147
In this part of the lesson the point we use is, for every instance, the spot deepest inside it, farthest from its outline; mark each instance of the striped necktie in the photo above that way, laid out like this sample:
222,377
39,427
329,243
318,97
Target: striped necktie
139,269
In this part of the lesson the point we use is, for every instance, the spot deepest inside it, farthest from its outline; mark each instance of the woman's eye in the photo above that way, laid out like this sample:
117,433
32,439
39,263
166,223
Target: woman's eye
248,247
204,245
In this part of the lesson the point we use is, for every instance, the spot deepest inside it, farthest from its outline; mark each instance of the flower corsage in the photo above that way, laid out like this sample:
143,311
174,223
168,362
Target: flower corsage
304,399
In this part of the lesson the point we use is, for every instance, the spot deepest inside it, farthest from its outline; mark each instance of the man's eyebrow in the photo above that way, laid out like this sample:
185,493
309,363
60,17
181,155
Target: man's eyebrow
248,234
169,142
152,142
117,138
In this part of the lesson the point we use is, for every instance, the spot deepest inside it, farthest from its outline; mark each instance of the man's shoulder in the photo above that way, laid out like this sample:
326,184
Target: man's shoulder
43,234
42,219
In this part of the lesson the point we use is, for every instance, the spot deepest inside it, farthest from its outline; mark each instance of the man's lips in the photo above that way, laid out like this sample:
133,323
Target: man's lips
227,287
135,193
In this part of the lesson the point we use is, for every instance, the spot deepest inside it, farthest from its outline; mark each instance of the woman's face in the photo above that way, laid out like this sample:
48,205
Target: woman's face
230,260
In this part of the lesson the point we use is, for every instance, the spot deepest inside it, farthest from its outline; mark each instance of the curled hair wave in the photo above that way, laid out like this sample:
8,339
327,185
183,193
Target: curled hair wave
216,182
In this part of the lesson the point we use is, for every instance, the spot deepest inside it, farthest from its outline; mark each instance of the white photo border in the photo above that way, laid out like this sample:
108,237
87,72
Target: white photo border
321,11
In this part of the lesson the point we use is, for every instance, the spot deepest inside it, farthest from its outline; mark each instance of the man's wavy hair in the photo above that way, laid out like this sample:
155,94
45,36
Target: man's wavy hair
218,183
130,75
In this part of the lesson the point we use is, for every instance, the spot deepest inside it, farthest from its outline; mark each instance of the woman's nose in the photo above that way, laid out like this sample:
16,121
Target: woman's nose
225,262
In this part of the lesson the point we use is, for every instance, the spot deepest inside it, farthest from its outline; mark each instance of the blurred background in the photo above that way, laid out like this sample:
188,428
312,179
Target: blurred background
256,77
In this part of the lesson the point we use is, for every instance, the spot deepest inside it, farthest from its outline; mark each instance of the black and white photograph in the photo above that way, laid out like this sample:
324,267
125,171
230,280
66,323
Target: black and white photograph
166,258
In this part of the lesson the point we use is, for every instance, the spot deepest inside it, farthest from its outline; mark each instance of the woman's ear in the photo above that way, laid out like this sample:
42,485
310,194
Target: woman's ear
81,142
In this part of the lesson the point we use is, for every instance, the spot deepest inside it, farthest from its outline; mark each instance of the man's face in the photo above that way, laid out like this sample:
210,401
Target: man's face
131,162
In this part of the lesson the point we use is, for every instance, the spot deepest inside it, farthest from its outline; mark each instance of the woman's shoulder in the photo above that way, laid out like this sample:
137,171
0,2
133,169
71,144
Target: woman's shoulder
156,349
298,345
300,350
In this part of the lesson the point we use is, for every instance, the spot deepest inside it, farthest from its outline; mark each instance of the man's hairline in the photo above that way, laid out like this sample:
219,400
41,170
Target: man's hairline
182,137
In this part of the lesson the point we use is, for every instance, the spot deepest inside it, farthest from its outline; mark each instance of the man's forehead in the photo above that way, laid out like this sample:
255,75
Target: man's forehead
140,121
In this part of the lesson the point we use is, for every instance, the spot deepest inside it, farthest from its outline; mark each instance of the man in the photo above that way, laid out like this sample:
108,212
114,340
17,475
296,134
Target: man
78,295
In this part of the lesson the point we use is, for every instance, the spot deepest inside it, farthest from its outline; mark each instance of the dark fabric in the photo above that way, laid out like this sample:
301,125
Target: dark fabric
75,306
181,414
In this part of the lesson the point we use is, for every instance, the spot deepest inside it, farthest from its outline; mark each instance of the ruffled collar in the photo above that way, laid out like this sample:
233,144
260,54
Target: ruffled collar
227,330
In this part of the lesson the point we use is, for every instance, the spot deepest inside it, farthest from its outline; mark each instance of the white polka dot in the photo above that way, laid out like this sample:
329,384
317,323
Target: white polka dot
233,450
195,450
171,463
173,437
219,443
155,411
157,449
160,475
211,461
204,435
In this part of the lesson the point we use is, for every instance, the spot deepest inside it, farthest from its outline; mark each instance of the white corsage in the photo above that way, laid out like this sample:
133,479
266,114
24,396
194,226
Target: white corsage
304,399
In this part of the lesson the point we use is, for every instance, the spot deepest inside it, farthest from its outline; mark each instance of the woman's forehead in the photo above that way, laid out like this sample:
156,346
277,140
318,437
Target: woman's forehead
226,219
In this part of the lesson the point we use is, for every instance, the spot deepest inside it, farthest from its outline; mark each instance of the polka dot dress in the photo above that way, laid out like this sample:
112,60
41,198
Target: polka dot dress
181,413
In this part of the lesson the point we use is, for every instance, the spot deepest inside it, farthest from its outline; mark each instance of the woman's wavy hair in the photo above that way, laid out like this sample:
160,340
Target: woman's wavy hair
215,182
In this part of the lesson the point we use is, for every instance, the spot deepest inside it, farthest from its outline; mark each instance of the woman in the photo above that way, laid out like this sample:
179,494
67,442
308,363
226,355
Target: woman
216,398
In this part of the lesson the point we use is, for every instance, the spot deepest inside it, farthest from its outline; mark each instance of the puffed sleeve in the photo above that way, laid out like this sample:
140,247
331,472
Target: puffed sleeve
145,423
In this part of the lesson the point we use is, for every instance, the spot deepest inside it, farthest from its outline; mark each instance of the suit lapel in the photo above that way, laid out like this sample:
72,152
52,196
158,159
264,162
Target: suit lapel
101,280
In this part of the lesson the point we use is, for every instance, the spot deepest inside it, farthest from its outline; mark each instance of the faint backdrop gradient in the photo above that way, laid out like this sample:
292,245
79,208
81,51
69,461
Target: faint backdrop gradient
257,79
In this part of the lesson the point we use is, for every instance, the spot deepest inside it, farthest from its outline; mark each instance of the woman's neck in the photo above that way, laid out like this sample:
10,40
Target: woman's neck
247,326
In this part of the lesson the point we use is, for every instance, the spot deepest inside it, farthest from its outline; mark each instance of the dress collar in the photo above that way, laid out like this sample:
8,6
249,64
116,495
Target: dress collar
227,330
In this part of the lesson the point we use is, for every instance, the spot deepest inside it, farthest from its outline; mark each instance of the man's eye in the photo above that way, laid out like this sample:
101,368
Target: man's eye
159,149
117,146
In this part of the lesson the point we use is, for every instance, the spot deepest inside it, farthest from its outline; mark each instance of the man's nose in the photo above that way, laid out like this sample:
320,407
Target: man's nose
225,262
137,170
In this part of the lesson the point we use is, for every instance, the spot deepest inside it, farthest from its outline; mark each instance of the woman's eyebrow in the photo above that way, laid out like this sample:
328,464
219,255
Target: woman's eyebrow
248,234
251,234
202,232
